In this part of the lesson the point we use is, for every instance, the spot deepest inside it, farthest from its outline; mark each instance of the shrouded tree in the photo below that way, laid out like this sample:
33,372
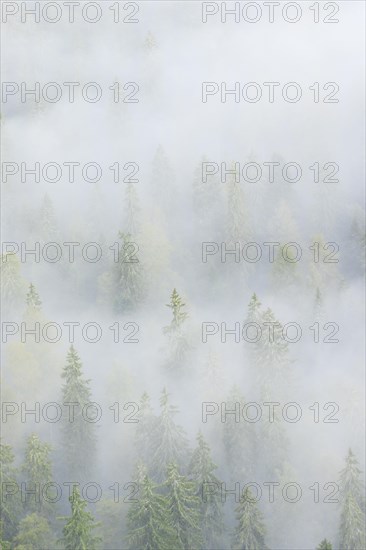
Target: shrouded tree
201,471
148,525
9,494
132,209
78,433
238,227
128,275
169,440
352,526
48,225
111,517
239,437
34,534
178,342
324,545
184,509
33,300
37,471
254,310
145,429
250,530
78,530
13,285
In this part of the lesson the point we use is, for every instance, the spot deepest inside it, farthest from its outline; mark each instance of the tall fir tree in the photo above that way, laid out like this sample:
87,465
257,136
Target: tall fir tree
79,441
352,521
9,494
148,522
13,285
37,471
184,509
34,534
250,530
169,440
201,471
132,210
145,429
79,527
178,345
128,275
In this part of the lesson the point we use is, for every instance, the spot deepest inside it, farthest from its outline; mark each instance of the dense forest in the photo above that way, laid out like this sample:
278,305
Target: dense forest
182,347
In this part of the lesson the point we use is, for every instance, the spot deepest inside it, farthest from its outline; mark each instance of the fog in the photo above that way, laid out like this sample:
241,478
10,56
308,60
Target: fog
181,228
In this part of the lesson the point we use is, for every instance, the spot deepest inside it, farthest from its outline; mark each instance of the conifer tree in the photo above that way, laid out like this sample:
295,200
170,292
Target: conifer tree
148,522
238,227
78,433
201,471
145,429
324,545
239,437
9,494
78,530
254,310
169,440
128,276
178,342
34,304
352,525
184,509
132,210
37,470
250,530
13,285
34,534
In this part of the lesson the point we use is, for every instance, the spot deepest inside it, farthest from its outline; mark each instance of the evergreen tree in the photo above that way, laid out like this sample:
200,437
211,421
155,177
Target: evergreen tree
111,519
128,276
34,304
145,429
239,438
178,342
9,494
148,524
238,226
352,526
254,310
34,534
37,470
13,285
324,545
78,530
169,440
201,471
184,509
78,433
132,210
250,531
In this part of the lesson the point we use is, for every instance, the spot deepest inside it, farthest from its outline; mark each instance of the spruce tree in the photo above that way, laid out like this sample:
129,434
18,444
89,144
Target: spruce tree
351,489
37,470
78,530
148,523
201,471
34,534
169,440
9,494
178,342
78,433
324,545
132,210
250,530
254,310
145,429
184,509
128,276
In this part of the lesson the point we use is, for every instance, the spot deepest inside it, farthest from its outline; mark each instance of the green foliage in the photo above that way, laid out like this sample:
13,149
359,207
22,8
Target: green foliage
168,440
178,342
250,531
201,471
128,275
34,534
111,528
37,470
78,434
13,285
9,494
352,525
145,429
148,522
78,530
33,300
324,545
184,509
